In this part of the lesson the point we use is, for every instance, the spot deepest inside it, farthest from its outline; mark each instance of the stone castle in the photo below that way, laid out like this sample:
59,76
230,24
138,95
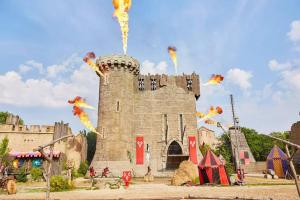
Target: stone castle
24,138
144,120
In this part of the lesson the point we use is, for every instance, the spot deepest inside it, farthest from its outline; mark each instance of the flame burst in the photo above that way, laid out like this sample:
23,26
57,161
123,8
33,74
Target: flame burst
121,13
212,112
211,122
173,55
89,57
215,79
79,103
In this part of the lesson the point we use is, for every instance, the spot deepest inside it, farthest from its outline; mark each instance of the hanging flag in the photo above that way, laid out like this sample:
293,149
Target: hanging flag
192,149
139,150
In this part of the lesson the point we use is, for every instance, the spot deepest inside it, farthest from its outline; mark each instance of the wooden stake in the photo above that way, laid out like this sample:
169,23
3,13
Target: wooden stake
292,167
49,159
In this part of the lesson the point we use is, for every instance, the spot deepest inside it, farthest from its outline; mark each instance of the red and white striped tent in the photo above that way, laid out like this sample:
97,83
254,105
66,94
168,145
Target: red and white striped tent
212,170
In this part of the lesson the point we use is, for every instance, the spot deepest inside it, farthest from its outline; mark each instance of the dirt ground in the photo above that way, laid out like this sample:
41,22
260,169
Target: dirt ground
160,189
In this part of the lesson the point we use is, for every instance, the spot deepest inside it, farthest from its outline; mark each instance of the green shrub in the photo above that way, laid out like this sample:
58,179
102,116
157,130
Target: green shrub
36,173
83,167
21,175
59,183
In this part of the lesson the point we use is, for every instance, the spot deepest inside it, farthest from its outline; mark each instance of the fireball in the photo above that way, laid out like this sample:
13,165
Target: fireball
173,55
215,79
89,57
121,13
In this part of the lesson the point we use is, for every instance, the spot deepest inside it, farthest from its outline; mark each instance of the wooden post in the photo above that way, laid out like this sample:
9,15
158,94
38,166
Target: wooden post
49,172
292,167
49,159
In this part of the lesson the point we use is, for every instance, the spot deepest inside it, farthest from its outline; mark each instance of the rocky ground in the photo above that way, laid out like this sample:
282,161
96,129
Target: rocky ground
160,189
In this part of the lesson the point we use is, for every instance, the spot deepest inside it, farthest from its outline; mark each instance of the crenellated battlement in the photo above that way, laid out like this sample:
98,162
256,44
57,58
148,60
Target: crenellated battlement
189,83
118,62
9,128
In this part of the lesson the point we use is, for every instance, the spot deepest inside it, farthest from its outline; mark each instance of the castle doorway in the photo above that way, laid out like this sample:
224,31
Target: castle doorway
175,156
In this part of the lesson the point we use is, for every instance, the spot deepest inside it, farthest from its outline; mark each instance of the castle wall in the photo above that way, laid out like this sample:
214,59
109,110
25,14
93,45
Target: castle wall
295,138
148,121
207,136
132,105
24,138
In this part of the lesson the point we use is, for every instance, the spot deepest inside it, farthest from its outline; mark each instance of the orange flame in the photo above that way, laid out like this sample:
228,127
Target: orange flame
173,55
212,112
121,13
89,57
83,116
215,79
211,122
80,102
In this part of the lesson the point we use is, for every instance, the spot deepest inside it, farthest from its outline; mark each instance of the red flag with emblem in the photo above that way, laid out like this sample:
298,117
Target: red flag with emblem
139,150
192,149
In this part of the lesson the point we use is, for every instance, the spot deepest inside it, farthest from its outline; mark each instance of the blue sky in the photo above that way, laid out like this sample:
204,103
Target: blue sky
254,44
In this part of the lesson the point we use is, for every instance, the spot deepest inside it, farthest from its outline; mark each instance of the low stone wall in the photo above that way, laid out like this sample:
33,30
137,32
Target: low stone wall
257,167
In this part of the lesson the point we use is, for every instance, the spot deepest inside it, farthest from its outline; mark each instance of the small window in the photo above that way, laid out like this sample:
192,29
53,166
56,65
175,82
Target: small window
153,84
118,106
103,133
189,84
106,79
141,84
166,127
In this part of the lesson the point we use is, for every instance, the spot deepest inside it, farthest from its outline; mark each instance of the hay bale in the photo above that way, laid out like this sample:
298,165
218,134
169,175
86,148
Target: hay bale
149,178
11,187
187,172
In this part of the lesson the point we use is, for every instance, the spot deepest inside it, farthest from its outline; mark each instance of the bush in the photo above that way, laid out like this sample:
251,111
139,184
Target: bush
59,183
36,173
22,175
224,149
83,167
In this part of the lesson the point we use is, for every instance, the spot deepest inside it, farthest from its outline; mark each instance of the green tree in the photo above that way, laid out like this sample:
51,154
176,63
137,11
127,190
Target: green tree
203,148
4,151
83,167
260,144
224,149
91,145
3,116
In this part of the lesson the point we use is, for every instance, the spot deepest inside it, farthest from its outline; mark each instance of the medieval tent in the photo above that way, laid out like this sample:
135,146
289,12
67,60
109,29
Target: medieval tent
212,170
277,160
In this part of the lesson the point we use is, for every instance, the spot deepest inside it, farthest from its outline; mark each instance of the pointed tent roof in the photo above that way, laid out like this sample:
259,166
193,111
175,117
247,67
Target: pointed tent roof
210,160
277,153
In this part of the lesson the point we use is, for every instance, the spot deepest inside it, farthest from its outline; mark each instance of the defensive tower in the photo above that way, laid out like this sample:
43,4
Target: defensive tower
144,120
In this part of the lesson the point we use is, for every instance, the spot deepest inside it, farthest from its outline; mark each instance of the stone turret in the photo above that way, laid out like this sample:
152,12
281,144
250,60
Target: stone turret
115,109
12,119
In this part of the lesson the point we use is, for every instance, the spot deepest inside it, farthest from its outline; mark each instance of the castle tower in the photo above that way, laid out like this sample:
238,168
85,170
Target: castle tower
144,120
115,109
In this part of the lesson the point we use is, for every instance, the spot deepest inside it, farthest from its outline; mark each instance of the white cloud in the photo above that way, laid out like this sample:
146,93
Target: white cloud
294,33
31,64
65,66
240,78
42,92
150,67
24,68
291,79
274,65
275,107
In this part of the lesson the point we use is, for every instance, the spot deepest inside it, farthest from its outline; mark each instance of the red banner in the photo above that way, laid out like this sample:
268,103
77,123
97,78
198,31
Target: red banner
126,177
193,149
139,150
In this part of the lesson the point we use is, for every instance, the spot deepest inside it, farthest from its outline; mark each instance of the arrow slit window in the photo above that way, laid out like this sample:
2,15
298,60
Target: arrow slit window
189,84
